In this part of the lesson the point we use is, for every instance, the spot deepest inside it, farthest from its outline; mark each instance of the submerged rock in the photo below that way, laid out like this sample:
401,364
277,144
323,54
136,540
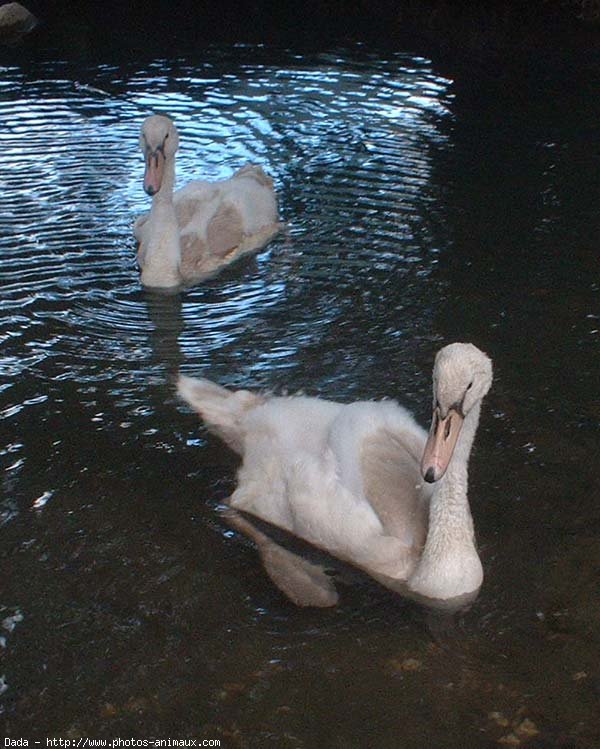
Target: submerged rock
15,22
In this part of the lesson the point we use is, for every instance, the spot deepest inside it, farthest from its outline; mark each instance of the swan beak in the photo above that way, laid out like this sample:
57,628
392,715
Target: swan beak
155,166
440,444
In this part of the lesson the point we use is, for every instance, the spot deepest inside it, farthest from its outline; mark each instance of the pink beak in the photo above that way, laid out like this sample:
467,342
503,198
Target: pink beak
440,444
155,166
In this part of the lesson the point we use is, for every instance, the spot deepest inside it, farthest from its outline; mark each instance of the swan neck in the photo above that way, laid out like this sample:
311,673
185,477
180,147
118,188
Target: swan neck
161,266
450,496
449,567
460,460
165,194
450,523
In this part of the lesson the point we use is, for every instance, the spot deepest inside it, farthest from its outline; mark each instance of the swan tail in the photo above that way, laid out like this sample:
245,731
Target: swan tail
222,410
254,172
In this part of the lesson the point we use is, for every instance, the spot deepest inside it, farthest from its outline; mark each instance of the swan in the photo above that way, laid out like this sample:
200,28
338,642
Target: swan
348,479
190,234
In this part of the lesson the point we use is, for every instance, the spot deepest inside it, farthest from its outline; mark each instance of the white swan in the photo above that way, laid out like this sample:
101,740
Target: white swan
190,234
348,479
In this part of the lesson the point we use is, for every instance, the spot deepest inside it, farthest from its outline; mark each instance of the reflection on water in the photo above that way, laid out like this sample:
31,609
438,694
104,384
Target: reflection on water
418,212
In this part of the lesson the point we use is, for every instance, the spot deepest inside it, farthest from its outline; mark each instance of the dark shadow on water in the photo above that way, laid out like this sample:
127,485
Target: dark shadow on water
164,311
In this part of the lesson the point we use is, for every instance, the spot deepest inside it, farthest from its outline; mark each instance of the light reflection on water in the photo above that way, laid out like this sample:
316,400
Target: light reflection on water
345,146
400,236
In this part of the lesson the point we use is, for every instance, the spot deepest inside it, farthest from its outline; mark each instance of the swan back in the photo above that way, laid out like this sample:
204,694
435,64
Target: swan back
249,192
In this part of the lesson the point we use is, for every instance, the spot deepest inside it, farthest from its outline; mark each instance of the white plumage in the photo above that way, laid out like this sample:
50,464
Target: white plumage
192,233
348,479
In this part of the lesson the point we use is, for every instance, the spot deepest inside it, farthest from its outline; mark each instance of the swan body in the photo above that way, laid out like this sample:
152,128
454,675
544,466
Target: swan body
193,232
361,481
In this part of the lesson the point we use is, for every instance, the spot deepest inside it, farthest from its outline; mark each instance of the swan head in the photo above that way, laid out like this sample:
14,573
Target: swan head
462,376
159,141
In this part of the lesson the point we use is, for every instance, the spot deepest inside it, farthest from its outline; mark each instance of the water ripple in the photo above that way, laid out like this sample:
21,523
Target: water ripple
349,144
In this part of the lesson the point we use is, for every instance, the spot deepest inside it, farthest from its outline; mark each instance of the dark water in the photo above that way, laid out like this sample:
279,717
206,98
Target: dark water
424,206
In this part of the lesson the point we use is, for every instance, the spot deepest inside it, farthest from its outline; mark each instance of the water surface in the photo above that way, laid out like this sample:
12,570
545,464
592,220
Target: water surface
423,206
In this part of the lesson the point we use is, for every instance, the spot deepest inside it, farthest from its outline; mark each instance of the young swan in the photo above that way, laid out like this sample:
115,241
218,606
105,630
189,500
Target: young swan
190,234
348,479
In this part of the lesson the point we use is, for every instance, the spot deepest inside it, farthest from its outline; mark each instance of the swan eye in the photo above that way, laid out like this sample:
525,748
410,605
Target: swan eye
470,385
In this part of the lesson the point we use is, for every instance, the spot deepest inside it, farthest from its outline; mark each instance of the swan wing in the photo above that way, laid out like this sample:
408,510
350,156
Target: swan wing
255,172
304,471
342,477
392,484
225,231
